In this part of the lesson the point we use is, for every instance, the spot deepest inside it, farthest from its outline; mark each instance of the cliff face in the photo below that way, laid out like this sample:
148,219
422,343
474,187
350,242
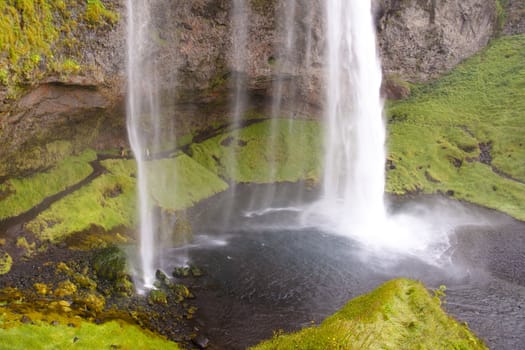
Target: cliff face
418,40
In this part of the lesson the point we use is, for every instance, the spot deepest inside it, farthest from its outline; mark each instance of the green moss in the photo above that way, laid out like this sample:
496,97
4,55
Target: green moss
179,183
400,314
111,335
109,201
66,67
435,135
5,262
97,13
32,158
501,13
34,32
251,155
21,194
111,264
157,297
26,31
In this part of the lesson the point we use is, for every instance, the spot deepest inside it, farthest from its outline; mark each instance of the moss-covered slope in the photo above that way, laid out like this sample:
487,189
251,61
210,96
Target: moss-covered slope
108,201
19,195
400,314
271,151
112,335
464,134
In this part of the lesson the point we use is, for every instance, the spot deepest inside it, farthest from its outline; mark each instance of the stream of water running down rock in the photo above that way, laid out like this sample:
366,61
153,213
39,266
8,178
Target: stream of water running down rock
141,79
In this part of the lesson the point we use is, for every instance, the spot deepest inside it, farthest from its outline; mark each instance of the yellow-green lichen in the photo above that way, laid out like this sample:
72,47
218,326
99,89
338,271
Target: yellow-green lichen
5,262
97,13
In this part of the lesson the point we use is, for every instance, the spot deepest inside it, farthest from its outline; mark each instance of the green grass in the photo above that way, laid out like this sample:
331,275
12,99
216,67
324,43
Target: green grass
400,314
111,335
179,183
434,135
246,155
109,201
21,194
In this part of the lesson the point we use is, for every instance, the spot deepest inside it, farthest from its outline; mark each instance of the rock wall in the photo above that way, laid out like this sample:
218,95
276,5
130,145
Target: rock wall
421,39
418,40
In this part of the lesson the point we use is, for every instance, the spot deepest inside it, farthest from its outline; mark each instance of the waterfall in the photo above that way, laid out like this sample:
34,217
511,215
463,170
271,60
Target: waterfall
239,30
143,126
354,176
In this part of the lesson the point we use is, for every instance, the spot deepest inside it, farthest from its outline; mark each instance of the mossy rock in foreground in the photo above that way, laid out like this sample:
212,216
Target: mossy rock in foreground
400,314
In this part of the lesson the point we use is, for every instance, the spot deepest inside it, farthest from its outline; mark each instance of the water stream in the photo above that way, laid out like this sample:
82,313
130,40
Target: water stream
269,272
354,175
142,103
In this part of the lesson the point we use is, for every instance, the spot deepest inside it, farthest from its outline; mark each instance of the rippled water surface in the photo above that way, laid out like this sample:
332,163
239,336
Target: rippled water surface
265,272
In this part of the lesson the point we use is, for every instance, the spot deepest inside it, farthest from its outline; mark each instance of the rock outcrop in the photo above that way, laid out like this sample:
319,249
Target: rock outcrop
418,40
421,39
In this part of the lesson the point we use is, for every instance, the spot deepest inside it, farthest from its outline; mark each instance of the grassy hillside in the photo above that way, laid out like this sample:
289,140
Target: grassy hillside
109,201
465,134
400,314
112,335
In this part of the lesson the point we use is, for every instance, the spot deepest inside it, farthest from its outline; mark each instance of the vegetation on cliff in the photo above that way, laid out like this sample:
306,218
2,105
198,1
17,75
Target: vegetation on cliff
463,134
400,314
38,37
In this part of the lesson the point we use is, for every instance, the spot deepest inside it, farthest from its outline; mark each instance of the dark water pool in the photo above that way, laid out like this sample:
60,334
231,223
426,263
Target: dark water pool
267,275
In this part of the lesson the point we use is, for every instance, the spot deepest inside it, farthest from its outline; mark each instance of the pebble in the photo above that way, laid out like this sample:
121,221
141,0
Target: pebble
201,341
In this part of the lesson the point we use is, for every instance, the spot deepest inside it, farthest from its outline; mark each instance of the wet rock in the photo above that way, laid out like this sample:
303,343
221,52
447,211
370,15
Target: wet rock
90,301
42,288
110,264
157,297
201,341
84,281
485,156
5,262
25,319
163,279
196,271
124,287
183,271
65,288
